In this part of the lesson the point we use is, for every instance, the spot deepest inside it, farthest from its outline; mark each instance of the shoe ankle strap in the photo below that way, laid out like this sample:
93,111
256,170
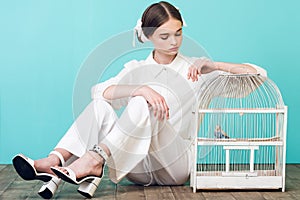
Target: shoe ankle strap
61,158
99,150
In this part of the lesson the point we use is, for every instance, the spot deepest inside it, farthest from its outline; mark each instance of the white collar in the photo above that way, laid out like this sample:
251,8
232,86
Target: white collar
176,64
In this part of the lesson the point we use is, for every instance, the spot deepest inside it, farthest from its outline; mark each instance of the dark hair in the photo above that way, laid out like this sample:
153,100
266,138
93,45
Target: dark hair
156,15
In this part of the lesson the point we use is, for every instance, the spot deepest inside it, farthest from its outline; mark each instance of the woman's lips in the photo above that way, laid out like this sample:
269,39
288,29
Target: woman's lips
174,49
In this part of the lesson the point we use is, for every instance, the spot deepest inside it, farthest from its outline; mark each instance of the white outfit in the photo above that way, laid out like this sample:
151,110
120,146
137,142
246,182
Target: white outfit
143,149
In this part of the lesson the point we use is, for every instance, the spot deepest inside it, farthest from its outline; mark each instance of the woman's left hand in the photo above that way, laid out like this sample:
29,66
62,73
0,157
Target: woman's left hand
201,66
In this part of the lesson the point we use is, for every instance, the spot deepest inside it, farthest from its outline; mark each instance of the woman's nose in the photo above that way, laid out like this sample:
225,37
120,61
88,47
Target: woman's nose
174,41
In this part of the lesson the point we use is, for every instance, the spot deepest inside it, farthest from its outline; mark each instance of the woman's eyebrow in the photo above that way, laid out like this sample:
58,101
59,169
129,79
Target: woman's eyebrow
165,34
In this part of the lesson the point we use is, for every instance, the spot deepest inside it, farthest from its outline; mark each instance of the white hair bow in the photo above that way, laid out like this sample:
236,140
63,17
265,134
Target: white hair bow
138,31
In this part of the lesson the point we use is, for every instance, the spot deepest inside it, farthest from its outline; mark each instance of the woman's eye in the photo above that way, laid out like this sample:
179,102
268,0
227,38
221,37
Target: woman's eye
178,34
164,38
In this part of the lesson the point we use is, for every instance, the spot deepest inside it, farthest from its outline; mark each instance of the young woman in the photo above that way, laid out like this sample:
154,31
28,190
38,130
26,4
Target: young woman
150,143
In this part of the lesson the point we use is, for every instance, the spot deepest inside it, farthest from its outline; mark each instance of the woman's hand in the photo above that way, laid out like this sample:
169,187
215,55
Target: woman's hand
204,66
200,66
155,100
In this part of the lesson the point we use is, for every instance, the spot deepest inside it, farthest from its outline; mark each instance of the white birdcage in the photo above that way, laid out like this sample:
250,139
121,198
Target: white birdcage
241,139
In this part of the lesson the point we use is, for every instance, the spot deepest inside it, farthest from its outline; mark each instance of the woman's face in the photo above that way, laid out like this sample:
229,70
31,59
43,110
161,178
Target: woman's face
168,37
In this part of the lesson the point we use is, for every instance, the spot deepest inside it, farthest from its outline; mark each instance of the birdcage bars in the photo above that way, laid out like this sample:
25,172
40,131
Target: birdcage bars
240,141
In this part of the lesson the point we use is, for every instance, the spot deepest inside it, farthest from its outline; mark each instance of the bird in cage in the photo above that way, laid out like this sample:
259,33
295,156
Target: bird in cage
219,133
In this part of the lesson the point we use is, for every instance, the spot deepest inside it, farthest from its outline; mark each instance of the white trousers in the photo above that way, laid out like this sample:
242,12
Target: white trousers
143,149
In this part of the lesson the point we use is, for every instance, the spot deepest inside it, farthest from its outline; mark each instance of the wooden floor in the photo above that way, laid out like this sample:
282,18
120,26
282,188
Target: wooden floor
13,187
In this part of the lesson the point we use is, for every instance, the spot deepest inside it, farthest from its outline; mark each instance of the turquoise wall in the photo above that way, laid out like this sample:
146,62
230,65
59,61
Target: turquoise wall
44,43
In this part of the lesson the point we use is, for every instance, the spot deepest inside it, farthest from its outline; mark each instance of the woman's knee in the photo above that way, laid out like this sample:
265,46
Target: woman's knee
137,109
102,106
103,110
138,100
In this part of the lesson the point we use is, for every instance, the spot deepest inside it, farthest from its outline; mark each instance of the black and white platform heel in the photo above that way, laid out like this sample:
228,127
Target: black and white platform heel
88,188
48,189
88,184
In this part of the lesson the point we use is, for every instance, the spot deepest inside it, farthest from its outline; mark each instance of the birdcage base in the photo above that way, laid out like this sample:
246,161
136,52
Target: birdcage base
247,182
240,174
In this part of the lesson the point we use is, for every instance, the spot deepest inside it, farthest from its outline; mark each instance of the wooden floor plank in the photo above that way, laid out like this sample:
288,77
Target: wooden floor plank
18,190
185,192
130,192
218,195
244,195
8,176
159,193
293,187
292,172
106,190
272,195
14,187
127,190
2,166
68,191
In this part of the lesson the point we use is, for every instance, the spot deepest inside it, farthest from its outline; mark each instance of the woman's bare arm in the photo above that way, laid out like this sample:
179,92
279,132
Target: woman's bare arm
235,68
155,100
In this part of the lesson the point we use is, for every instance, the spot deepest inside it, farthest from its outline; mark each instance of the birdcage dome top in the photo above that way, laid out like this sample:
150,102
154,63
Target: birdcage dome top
241,91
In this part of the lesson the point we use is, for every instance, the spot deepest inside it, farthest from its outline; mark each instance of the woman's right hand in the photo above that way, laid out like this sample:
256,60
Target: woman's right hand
156,101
